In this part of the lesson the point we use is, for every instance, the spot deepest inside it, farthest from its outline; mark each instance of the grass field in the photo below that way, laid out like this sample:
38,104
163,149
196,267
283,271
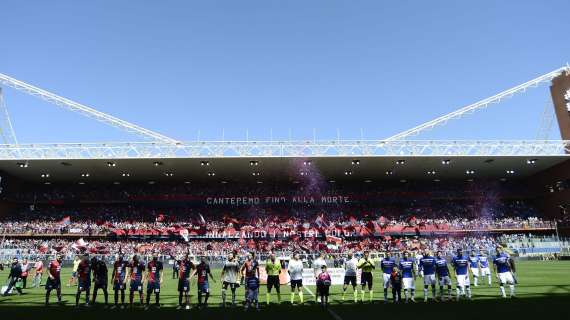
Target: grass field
543,291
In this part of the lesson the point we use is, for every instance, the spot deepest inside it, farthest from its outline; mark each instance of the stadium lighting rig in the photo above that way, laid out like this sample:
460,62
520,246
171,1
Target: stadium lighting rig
83,109
22,164
479,105
161,146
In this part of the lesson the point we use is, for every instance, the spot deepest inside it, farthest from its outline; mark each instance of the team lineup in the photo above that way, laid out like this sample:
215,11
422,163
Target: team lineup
143,280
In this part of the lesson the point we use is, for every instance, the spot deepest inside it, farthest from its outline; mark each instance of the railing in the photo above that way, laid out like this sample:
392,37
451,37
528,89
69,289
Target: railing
305,148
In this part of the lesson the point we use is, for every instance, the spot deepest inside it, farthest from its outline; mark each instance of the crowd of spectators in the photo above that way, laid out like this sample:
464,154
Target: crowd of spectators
142,221
30,247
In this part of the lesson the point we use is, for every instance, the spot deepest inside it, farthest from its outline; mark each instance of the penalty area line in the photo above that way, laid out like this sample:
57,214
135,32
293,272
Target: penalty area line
309,291
334,314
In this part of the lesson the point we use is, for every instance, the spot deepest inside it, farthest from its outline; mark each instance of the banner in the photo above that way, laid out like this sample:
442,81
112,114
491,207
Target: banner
247,200
337,276
309,279
275,200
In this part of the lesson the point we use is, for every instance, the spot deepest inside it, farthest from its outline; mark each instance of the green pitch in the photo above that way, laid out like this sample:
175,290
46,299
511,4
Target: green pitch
543,292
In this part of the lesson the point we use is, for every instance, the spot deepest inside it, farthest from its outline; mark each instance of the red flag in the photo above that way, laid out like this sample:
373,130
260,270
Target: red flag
333,239
66,220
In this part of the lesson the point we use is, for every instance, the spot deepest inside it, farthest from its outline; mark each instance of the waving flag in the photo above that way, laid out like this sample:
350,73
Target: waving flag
66,221
202,220
44,247
320,220
184,234
79,245
333,239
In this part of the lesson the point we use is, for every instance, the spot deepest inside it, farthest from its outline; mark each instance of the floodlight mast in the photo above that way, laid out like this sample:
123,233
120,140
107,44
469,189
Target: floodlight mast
83,109
478,105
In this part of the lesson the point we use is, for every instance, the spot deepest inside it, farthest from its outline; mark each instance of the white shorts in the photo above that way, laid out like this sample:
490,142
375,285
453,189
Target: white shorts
475,272
429,279
463,280
386,278
445,281
506,277
409,283
485,272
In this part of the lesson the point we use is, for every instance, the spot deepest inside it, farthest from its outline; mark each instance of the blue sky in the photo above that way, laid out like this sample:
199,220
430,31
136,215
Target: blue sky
179,67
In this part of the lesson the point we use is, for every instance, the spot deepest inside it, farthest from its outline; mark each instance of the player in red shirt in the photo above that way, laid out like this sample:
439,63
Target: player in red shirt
154,278
185,266
54,279
83,280
203,272
119,279
136,274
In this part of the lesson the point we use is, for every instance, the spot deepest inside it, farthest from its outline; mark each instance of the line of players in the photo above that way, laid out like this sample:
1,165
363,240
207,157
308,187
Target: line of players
434,270
397,276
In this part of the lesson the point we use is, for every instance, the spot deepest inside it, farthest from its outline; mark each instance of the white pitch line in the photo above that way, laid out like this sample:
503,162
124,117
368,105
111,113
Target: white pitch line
331,312
309,291
334,314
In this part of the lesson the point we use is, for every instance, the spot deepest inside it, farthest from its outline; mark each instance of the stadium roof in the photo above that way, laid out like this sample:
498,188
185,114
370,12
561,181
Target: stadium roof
166,158
279,169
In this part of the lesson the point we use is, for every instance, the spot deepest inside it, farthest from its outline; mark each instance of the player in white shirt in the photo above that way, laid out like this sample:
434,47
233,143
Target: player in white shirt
229,278
417,259
295,270
350,267
317,269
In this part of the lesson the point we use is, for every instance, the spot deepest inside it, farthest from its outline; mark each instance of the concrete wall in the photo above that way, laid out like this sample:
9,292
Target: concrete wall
560,85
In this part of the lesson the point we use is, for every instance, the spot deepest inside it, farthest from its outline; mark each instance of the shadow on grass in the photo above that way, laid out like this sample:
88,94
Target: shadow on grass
554,306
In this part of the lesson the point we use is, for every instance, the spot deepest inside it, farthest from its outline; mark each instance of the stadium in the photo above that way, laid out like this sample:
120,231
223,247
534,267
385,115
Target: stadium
284,228
168,198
